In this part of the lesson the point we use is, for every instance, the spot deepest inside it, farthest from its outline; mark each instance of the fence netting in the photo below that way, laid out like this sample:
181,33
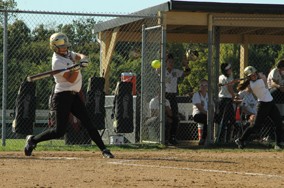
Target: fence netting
120,81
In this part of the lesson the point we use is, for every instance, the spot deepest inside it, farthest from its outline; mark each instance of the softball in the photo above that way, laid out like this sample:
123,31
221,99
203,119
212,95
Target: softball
156,64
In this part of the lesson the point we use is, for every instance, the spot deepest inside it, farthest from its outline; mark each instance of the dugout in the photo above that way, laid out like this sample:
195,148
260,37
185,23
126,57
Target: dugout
198,22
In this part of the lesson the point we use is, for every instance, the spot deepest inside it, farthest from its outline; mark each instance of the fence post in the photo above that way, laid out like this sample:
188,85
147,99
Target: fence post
4,89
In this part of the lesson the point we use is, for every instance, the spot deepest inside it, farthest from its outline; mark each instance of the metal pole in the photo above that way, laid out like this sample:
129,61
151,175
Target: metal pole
210,115
4,89
216,35
163,86
142,80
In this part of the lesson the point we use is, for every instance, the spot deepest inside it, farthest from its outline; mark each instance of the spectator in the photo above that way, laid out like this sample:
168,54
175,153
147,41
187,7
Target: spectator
249,104
154,107
200,107
275,82
225,113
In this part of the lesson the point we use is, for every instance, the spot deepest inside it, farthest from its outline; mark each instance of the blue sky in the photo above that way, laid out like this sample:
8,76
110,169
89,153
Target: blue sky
109,6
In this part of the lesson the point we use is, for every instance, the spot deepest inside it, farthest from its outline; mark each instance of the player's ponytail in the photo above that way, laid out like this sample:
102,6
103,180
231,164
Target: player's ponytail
243,85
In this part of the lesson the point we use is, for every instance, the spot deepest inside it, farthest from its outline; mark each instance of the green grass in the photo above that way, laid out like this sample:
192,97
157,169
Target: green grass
59,145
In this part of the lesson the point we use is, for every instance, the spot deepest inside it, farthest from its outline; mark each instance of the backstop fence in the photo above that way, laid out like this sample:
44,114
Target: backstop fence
25,51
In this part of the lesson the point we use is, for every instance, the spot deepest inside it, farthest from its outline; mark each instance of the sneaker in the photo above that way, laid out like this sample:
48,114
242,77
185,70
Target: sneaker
240,143
277,147
173,141
30,146
107,154
201,142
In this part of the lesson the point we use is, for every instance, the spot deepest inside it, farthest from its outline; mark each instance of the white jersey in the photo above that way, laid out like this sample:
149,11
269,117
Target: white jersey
155,104
224,92
260,91
199,99
274,74
172,80
60,62
248,101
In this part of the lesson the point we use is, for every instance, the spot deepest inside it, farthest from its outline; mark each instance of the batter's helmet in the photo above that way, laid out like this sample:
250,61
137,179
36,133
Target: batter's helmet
58,40
249,70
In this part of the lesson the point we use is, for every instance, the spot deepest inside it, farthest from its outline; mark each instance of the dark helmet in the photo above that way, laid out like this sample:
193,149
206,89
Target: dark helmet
280,64
224,68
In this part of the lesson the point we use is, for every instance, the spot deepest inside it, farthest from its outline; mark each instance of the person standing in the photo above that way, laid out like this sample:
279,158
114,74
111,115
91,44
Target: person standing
275,82
172,75
200,108
266,106
225,116
66,97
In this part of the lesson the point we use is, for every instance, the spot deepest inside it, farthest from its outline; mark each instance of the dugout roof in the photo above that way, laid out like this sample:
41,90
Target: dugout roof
191,22
188,21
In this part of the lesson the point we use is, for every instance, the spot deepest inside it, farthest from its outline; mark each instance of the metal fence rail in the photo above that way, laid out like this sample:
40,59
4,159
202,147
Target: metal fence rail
25,51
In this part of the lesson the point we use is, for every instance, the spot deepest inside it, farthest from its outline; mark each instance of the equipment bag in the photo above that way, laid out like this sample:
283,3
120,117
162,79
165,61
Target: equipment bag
25,109
95,101
123,108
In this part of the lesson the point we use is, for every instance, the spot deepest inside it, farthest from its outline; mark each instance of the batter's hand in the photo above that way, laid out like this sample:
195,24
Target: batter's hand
84,62
251,119
75,68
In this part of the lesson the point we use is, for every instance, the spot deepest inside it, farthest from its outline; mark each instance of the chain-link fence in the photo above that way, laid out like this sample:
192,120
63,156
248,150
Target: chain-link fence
121,59
257,47
26,47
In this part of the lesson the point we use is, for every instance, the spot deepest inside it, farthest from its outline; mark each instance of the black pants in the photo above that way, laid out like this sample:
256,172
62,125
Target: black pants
174,107
201,118
65,103
277,95
264,110
226,116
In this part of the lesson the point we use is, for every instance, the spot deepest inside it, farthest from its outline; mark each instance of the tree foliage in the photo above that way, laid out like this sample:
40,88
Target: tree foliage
29,53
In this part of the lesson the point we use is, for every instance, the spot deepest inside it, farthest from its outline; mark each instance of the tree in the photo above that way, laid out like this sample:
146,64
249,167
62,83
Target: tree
263,57
40,33
7,5
19,35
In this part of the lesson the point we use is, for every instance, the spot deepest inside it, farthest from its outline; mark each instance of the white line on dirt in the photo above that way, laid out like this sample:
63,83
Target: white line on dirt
127,163
58,158
40,158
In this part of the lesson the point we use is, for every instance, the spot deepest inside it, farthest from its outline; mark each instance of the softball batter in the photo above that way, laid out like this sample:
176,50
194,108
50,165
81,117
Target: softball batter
266,106
66,99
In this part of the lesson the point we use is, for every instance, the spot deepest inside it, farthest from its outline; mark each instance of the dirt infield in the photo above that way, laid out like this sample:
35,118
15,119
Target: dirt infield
162,168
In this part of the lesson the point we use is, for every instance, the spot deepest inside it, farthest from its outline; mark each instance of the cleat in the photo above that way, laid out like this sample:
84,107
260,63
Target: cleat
240,143
173,141
30,146
107,154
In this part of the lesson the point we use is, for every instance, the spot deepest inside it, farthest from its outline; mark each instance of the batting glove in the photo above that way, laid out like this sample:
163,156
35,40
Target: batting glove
84,62
76,68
